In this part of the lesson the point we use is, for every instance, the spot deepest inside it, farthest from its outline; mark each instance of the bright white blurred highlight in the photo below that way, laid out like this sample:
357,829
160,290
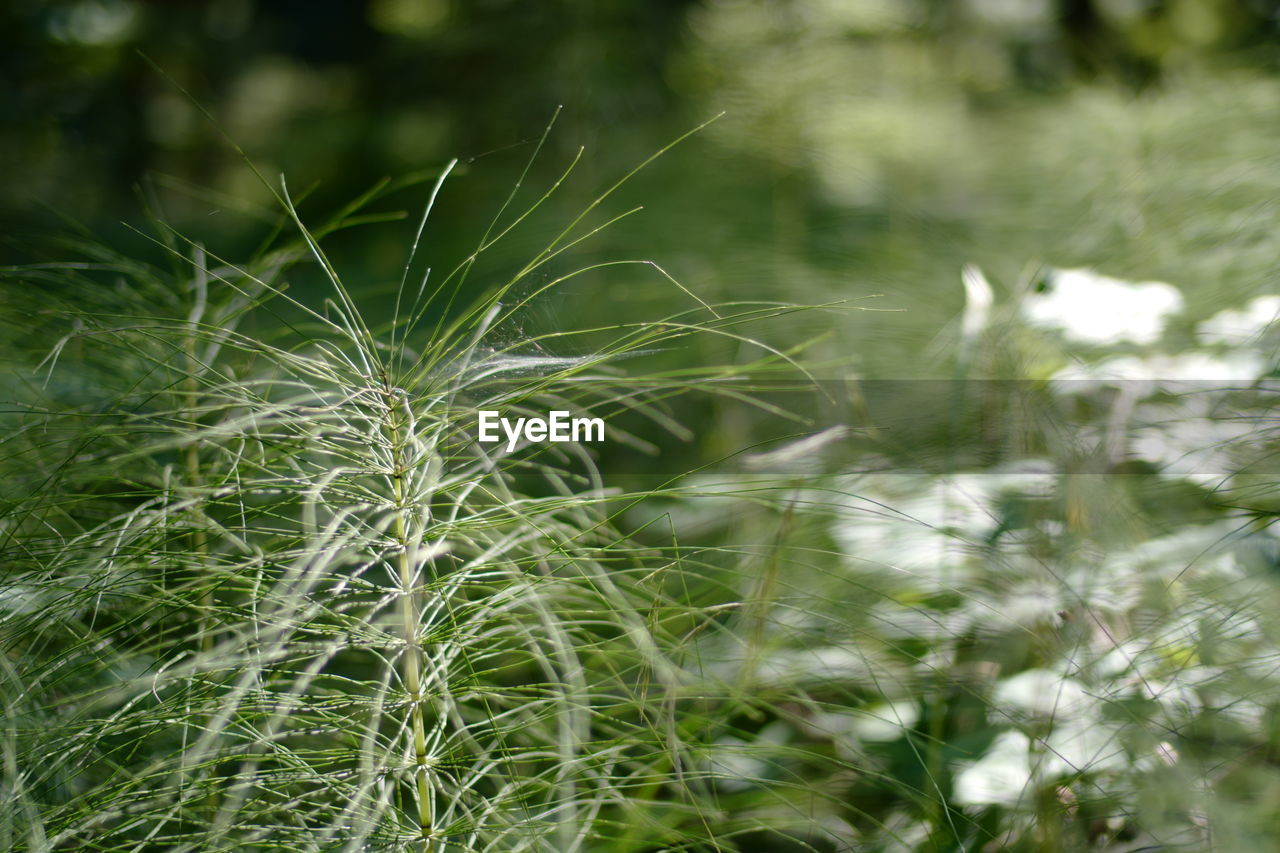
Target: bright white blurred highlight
1079,740
1000,777
978,298
887,722
1089,308
1042,693
1185,367
1234,328
924,526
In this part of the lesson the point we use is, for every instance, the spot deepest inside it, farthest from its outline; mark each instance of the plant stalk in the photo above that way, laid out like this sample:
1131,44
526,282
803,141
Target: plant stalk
407,564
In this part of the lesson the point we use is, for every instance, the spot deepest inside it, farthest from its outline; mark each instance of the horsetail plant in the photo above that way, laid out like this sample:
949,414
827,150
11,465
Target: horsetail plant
265,590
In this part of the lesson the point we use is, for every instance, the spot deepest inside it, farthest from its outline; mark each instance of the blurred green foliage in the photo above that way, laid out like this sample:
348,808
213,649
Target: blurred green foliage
867,147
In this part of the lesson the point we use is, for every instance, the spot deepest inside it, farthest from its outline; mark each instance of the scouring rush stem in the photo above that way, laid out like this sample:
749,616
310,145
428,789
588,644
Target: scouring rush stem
407,560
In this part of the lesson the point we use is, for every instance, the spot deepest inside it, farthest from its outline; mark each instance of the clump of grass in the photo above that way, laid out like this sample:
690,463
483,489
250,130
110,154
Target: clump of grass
263,590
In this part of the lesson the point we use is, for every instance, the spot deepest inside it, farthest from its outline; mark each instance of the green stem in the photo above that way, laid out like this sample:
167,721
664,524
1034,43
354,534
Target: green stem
413,652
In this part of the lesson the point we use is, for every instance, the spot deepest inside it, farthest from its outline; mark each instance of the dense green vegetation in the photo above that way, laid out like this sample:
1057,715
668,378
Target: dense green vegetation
936,510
